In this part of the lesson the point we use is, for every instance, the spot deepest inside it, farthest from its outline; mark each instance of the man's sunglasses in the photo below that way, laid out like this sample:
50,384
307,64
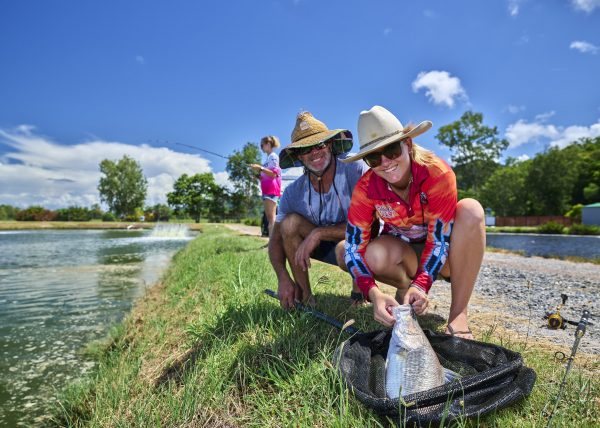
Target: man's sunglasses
391,151
306,150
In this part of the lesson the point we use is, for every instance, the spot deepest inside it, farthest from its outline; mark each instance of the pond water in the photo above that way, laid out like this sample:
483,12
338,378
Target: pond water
60,290
547,245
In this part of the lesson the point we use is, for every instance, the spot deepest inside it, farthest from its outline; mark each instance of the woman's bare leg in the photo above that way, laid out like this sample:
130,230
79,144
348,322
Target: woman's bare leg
270,211
392,262
467,246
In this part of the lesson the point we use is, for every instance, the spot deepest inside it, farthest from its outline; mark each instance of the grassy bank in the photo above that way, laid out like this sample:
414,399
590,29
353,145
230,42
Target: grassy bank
29,225
207,348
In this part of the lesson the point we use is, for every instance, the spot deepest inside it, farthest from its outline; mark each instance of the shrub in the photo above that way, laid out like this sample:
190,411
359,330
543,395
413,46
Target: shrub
551,228
8,212
108,217
252,221
584,229
575,213
35,213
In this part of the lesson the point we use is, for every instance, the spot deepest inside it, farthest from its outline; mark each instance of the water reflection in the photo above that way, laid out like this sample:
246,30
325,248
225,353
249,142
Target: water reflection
58,291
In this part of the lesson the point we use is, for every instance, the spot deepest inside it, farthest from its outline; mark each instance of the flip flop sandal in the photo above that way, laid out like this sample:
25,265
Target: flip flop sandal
357,297
454,332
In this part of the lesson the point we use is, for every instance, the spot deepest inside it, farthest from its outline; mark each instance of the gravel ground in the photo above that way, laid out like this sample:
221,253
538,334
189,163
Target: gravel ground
513,293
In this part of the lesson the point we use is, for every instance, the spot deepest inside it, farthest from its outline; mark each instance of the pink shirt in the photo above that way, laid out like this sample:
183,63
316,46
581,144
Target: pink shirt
271,185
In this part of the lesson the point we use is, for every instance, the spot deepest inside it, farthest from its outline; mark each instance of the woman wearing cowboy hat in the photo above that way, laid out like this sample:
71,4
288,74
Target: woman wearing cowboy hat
413,194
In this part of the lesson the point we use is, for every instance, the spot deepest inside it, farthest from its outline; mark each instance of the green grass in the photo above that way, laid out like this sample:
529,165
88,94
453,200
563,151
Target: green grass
206,347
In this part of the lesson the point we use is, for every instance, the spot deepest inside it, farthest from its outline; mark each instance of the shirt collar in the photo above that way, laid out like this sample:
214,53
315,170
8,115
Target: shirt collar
380,189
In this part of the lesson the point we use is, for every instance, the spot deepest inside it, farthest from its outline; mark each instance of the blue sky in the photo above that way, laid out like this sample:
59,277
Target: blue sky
83,81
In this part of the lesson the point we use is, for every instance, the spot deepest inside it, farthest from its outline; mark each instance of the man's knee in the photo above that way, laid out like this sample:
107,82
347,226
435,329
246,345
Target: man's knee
470,212
290,225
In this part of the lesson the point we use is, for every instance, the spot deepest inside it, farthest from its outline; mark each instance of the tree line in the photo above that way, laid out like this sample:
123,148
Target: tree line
553,182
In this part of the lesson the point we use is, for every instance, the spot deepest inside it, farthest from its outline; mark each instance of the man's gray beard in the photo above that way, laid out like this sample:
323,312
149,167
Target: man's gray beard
324,169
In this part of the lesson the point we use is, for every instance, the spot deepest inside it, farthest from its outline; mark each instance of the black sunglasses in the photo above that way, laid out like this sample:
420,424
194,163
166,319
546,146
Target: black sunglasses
391,151
306,150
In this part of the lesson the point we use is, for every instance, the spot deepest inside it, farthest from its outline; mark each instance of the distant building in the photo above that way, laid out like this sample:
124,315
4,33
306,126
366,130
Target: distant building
490,219
590,214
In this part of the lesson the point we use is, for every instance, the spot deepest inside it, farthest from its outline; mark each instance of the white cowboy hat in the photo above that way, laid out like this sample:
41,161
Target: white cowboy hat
378,127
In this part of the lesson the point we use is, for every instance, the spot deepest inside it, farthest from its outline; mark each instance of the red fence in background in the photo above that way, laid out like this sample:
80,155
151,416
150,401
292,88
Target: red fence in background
535,220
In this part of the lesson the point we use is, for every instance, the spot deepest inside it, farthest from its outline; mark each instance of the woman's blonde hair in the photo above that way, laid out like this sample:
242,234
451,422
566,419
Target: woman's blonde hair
419,154
271,139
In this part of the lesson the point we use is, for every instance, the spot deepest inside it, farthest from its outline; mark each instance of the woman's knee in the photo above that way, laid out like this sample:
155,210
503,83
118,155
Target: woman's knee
382,253
470,212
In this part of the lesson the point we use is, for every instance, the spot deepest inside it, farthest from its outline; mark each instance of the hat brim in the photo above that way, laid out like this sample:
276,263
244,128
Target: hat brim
416,131
288,160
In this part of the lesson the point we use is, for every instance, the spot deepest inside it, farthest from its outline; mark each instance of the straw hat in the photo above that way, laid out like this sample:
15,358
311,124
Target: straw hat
310,131
378,127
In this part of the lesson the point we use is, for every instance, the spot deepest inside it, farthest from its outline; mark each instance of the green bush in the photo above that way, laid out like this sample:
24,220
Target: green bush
575,213
108,217
35,213
551,228
584,229
252,221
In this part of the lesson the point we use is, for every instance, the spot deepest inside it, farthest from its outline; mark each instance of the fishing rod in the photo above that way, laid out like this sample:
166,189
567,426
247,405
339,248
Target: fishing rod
283,177
320,315
203,150
579,332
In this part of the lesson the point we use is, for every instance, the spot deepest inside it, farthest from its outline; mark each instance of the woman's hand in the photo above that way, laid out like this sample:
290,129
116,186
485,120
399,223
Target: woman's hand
256,167
382,306
417,298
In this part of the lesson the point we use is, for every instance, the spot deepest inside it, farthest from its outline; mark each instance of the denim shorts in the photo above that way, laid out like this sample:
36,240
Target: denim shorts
273,198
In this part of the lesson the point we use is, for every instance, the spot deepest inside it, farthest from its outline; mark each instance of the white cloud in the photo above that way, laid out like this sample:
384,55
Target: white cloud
140,59
513,7
441,87
543,117
522,132
574,133
584,47
514,109
523,158
585,5
38,171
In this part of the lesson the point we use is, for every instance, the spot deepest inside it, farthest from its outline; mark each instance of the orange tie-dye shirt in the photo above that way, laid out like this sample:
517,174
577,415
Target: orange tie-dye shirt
428,217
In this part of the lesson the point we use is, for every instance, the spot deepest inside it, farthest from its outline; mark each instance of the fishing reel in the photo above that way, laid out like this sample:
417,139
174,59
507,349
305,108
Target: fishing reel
556,320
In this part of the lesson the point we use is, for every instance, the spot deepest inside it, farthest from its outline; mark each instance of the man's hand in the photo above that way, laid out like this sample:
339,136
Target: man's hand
382,306
287,291
307,246
417,298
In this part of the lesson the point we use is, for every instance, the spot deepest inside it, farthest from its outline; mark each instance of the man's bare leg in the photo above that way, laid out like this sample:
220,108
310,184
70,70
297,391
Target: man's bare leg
294,228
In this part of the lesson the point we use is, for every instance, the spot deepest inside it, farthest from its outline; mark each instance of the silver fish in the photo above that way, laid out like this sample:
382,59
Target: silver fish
411,365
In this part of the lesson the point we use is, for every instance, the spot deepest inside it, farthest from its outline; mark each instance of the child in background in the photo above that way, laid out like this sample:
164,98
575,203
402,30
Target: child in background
270,179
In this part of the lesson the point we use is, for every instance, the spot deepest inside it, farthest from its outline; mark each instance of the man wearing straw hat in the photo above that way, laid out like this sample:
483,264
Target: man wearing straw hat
313,210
